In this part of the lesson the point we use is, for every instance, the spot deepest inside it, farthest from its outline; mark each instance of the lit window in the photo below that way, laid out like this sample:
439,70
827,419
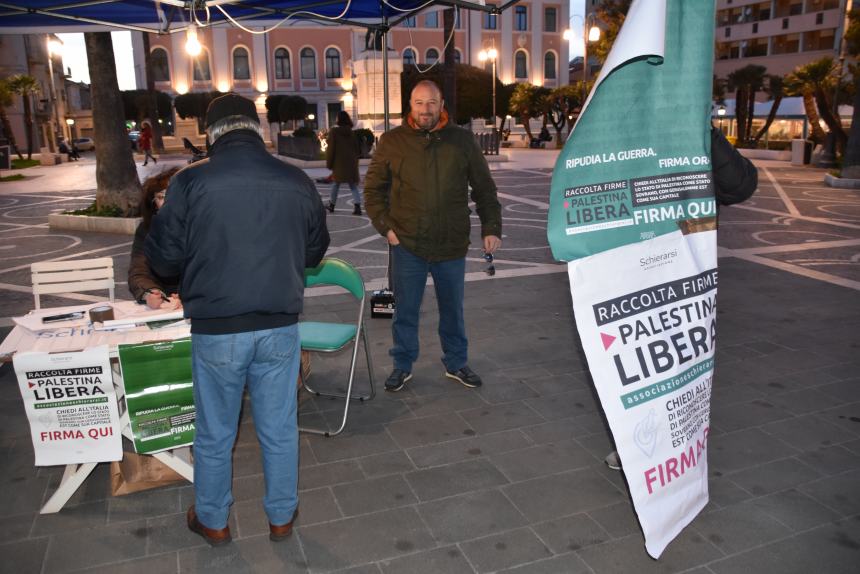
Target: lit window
332,63
308,64
521,65
241,65
160,65
282,64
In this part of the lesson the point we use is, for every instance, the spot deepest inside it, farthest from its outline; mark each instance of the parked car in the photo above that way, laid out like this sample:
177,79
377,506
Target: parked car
85,144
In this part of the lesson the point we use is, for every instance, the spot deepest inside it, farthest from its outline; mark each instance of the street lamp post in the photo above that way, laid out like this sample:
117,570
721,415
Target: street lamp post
54,47
491,55
721,113
590,33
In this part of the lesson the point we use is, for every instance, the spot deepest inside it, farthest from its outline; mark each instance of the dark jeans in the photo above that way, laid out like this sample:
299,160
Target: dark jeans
409,276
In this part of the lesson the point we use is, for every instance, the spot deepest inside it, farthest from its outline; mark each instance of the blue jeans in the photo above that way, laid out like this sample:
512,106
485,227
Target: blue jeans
409,275
269,362
356,195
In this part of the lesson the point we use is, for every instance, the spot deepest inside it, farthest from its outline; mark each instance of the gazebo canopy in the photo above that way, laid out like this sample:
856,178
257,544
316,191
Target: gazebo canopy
172,16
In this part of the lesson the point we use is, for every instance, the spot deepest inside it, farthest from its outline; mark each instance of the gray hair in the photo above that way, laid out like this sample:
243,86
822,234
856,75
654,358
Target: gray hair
231,123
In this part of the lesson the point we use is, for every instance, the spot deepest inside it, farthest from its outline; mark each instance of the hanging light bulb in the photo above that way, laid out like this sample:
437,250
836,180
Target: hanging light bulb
192,44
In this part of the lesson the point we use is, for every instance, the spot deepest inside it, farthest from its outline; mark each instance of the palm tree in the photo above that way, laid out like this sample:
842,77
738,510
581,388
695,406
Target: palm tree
116,176
25,86
795,87
814,81
746,82
775,88
7,100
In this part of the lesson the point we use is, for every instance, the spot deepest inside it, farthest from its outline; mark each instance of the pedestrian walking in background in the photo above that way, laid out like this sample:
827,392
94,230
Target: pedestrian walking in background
342,156
240,229
145,143
417,196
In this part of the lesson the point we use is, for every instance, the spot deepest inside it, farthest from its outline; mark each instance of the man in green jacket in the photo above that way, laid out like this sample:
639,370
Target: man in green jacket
417,196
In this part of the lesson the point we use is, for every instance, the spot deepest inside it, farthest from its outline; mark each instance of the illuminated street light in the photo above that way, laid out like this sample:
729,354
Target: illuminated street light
491,55
590,33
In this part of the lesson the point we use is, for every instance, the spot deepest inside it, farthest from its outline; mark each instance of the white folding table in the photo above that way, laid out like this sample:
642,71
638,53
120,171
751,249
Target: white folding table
60,339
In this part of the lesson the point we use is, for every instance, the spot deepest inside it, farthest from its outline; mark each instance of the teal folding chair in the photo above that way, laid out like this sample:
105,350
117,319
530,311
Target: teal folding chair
319,337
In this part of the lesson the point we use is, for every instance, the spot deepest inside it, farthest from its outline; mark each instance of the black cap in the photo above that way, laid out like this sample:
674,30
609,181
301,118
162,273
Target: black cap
230,105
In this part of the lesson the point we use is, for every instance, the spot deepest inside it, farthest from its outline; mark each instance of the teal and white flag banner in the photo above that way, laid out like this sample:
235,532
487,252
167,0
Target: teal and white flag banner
632,209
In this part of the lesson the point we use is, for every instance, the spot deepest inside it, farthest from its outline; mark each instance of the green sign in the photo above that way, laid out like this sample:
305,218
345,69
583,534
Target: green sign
637,165
159,394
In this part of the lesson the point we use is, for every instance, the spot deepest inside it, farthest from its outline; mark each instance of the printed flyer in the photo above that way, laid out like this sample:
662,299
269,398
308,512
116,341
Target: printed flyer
71,405
159,394
632,209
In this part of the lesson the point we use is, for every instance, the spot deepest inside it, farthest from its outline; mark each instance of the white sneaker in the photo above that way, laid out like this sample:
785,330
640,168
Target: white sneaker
612,460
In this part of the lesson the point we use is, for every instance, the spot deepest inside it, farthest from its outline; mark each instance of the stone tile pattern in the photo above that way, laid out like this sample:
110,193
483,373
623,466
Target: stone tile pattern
509,477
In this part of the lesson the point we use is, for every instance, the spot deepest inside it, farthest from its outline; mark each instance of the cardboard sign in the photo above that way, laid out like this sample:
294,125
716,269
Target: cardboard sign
71,405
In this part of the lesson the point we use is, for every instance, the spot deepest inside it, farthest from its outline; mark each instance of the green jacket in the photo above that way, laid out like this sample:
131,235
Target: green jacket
418,185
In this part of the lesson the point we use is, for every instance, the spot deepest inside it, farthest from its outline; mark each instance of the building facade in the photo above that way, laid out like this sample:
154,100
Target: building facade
316,61
29,55
777,34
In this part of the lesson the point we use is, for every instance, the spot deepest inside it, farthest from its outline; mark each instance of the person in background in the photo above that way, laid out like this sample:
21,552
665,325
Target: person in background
145,143
342,156
146,285
240,228
417,196
70,151
735,180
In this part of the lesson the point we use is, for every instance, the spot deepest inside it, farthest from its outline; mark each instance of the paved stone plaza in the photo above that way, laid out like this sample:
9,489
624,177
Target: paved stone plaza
509,477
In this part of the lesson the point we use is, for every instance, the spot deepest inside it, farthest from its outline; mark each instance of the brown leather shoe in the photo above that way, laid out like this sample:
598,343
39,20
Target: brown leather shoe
213,537
281,533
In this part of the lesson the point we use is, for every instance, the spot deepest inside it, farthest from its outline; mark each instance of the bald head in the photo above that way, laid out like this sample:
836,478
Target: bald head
425,104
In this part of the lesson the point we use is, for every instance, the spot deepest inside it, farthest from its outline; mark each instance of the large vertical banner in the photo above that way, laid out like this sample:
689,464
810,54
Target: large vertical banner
71,405
159,394
632,209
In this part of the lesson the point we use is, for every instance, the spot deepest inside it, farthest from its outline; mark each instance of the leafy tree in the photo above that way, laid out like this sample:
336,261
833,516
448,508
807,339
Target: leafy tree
272,104
527,102
7,100
474,91
194,105
137,103
559,106
746,82
25,86
851,158
611,14
292,108
116,175
775,88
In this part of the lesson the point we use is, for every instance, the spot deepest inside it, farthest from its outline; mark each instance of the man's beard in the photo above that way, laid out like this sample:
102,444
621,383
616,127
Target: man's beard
427,121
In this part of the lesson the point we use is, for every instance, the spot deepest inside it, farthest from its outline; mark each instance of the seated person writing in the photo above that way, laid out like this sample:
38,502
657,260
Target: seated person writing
145,285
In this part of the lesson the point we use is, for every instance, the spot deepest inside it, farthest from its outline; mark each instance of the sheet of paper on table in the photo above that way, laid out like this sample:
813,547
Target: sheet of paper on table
32,335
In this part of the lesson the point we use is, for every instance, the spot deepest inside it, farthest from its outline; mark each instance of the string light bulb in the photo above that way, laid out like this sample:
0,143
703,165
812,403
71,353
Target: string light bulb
192,44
